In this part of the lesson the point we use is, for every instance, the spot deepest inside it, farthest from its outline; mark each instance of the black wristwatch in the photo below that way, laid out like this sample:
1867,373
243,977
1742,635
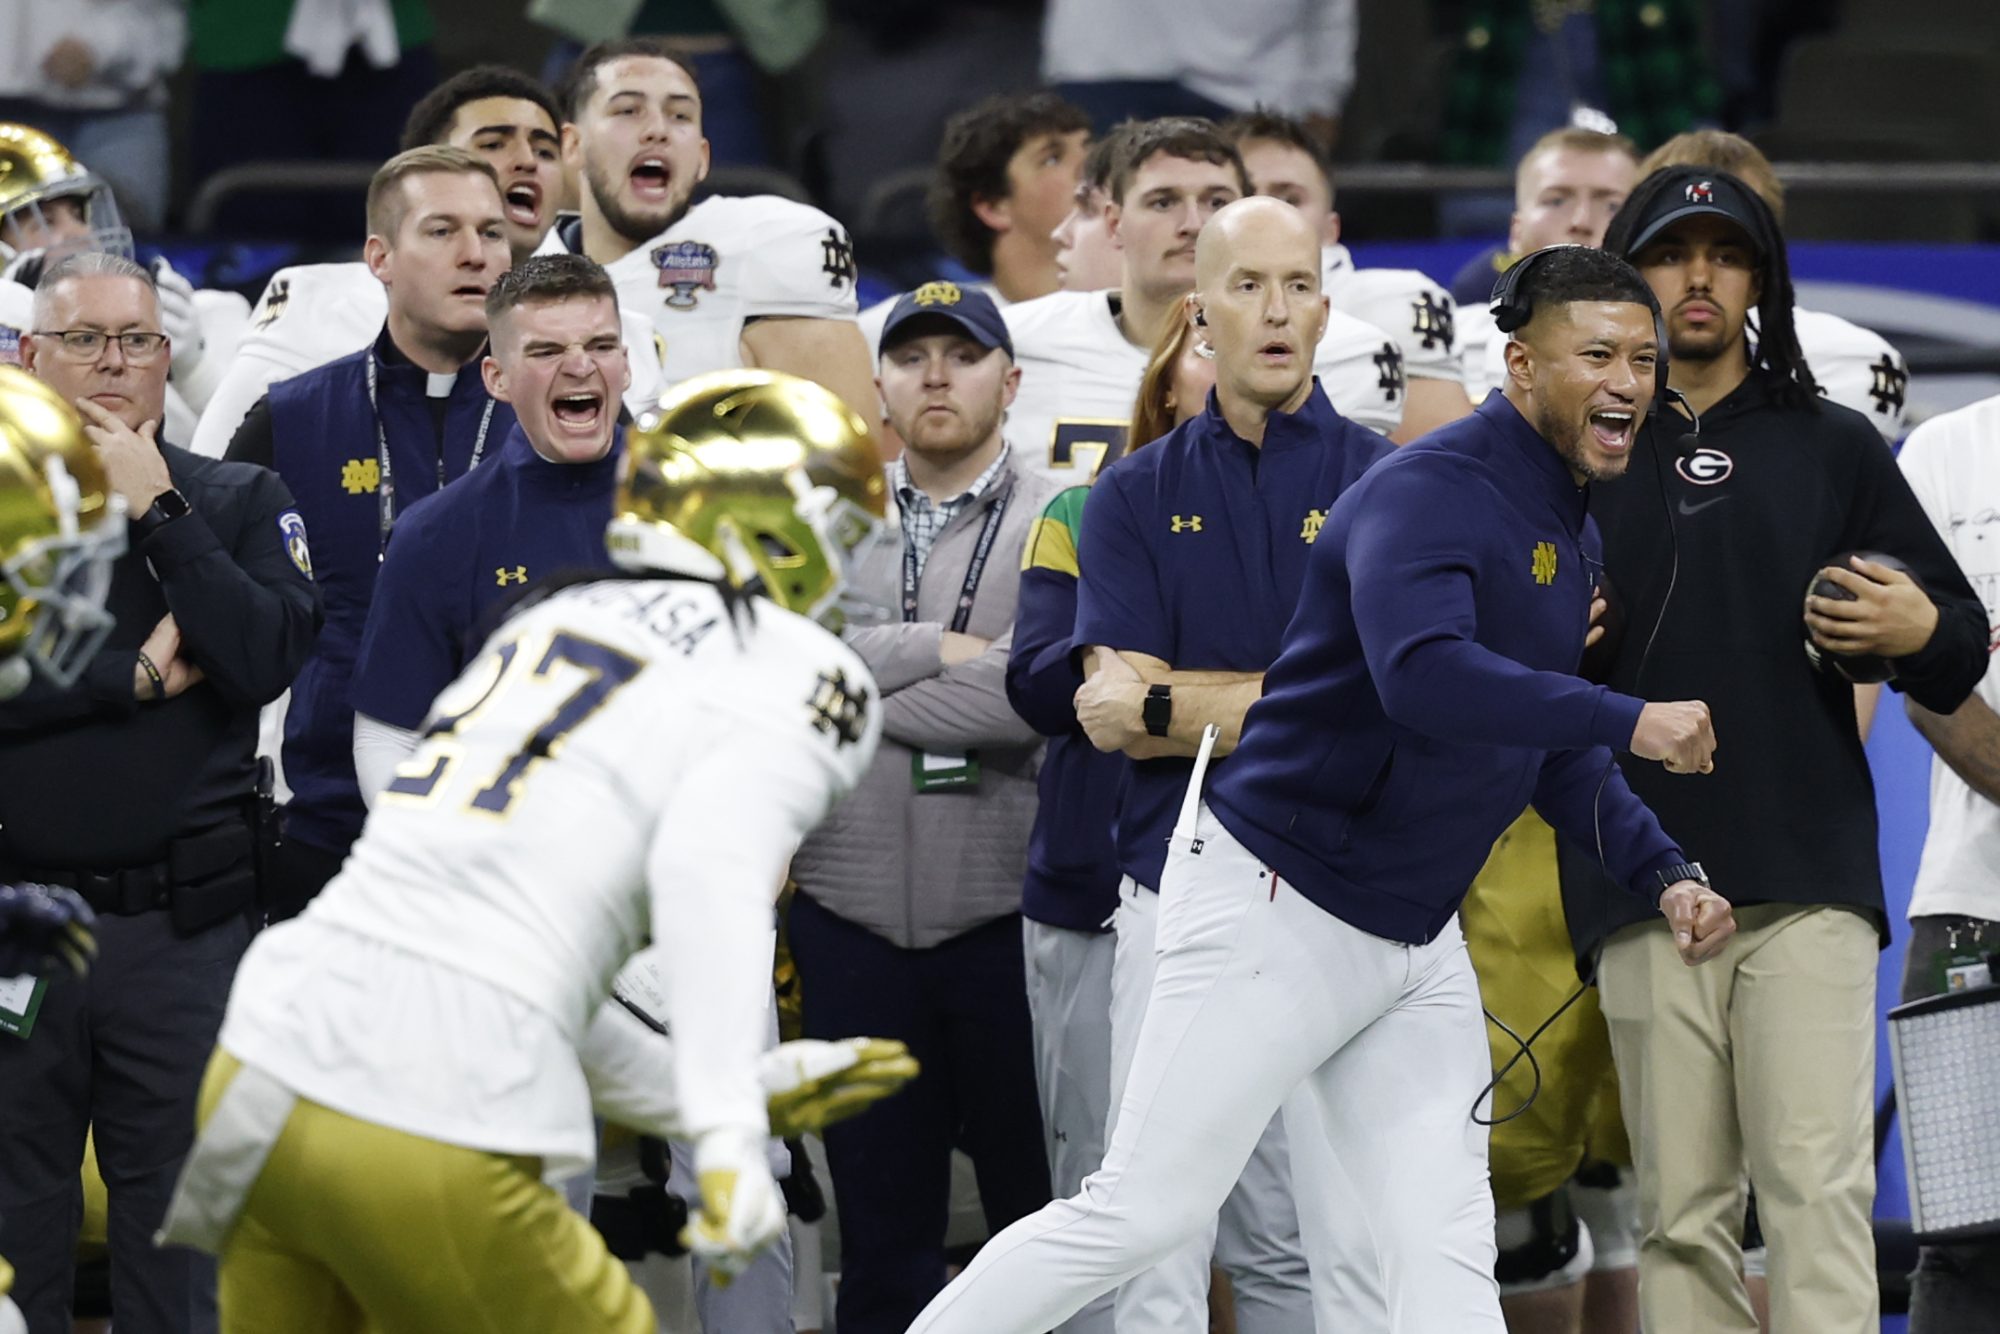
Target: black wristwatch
166,507
1673,875
1157,712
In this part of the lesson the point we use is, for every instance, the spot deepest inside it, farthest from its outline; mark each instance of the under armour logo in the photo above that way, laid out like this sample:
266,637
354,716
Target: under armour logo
1545,562
1389,372
838,710
836,258
358,475
1315,520
1891,382
1188,524
504,576
1432,321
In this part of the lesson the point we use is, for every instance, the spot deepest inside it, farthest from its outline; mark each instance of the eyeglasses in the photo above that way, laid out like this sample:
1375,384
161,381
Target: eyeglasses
139,349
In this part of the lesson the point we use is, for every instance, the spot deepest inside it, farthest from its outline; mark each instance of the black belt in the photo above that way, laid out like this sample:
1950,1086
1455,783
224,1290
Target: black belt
122,893
203,878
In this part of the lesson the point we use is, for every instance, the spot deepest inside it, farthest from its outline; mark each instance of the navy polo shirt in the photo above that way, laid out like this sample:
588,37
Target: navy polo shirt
458,554
1426,691
1193,551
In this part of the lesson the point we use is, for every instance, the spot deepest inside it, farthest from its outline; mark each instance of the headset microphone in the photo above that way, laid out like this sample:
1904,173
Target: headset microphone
1686,444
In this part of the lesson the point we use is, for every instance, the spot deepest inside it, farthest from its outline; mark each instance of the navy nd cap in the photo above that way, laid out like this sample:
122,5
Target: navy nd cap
1702,191
968,308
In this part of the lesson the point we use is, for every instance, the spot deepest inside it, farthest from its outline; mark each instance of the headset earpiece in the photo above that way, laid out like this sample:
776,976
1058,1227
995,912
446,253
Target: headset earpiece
1200,318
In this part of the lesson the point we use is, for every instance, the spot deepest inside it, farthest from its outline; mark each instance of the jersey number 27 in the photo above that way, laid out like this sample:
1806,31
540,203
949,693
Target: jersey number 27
605,670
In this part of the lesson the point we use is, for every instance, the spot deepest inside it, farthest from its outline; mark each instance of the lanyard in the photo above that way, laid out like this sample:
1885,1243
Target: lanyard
980,551
385,492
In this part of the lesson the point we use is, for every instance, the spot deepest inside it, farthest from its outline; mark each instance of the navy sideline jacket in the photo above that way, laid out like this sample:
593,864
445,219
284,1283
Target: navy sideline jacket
1426,691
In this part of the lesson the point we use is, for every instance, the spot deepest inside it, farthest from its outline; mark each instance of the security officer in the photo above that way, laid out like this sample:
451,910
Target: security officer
361,438
133,786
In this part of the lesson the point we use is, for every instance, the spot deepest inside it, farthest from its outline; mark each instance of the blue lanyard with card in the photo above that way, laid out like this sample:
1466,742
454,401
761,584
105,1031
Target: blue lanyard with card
930,772
385,490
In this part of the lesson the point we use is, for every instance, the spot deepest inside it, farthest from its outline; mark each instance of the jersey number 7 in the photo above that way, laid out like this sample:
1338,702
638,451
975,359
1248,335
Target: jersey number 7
605,670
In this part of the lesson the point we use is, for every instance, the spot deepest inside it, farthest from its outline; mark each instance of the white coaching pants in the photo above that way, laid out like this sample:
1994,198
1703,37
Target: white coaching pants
1255,1237
1257,992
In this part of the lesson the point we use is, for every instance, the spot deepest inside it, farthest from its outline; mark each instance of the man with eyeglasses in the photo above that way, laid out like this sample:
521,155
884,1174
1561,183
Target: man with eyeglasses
135,788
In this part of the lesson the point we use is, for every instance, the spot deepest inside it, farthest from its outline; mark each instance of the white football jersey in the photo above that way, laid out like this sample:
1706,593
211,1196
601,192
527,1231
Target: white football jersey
1402,303
1952,462
1856,367
1482,356
311,314
625,761
17,316
1080,378
726,262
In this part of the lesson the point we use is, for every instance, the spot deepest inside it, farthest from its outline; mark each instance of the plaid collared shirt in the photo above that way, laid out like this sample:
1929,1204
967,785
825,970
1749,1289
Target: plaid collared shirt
924,518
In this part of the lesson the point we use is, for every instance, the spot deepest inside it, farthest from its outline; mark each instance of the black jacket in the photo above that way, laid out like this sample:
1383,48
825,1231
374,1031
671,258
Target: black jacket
1788,816
90,779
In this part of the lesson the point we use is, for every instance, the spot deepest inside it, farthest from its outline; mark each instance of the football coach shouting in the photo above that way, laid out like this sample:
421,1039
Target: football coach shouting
1424,694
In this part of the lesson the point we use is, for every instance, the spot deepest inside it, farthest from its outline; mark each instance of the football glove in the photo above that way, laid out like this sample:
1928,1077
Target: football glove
179,319
740,1210
810,1084
43,928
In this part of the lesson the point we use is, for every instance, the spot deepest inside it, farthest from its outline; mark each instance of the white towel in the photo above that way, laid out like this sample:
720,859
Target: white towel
322,31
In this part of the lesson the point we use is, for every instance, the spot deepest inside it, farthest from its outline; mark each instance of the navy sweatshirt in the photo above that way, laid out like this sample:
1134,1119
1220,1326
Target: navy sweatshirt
1193,552
1072,878
459,554
1425,692
1776,492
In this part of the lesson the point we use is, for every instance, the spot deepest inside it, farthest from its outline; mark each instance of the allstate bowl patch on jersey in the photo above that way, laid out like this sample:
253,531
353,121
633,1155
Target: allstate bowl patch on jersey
292,530
686,268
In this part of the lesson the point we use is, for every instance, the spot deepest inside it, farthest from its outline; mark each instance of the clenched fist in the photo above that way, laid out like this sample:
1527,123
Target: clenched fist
1679,735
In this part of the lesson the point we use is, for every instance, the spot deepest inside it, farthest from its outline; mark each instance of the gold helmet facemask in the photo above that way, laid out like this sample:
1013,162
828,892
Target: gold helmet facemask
35,172
765,481
61,528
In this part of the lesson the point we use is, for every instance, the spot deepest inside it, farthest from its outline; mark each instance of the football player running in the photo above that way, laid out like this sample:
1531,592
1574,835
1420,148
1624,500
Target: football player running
634,757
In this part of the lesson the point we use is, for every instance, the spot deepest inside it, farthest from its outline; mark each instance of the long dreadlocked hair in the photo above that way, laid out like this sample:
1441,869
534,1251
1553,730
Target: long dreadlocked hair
1777,341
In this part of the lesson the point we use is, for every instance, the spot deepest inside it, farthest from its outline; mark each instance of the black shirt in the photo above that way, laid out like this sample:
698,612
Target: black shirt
91,779
1788,816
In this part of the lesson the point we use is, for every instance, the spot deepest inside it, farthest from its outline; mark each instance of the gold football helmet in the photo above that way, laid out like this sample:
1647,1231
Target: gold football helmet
35,170
61,527
762,479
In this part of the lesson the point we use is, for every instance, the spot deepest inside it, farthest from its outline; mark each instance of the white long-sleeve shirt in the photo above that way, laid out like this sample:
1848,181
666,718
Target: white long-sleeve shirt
138,43
1294,56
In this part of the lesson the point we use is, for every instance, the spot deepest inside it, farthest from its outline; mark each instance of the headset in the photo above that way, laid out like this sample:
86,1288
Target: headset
1511,311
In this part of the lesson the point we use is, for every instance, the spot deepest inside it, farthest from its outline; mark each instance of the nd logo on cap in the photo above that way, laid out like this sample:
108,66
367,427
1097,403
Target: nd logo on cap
937,294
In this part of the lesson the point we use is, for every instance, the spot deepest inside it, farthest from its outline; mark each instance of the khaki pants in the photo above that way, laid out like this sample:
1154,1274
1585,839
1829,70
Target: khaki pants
1761,1060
